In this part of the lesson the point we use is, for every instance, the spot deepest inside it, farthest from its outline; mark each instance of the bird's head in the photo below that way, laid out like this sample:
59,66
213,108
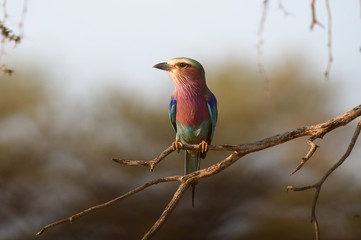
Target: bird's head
183,70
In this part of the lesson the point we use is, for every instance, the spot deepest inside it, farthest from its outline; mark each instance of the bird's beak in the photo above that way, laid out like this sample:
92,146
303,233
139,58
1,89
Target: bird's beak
163,66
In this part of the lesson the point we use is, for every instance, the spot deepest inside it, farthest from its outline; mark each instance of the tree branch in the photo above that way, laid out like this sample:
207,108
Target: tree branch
240,150
329,33
314,20
150,163
111,202
329,40
308,155
318,185
282,8
316,131
260,44
168,210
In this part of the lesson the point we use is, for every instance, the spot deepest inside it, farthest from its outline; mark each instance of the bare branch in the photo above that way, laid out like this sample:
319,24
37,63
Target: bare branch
168,210
319,184
150,163
240,150
314,20
308,155
329,38
316,131
5,16
329,33
260,44
2,23
282,8
111,202
313,216
22,19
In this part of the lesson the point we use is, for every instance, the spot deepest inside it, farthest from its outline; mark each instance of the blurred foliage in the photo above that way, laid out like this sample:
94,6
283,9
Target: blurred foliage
7,35
55,161
5,70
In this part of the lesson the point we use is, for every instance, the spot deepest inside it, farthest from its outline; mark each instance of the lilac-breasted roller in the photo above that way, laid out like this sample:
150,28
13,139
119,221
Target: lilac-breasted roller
192,109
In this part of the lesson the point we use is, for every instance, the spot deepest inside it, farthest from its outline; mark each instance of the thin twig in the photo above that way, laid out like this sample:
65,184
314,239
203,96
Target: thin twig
313,148
319,184
260,44
111,202
5,16
329,38
22,19
314,20
150,163
313,215
283,9
168,210
2,41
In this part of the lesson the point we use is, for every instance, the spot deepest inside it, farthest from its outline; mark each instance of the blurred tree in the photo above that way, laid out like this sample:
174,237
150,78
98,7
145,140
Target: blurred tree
55,161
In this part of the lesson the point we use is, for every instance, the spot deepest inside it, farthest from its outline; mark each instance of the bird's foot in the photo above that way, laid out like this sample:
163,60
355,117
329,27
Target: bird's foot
176,145
203,146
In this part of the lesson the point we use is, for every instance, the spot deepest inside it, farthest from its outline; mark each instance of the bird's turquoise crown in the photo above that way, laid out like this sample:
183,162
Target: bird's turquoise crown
190,61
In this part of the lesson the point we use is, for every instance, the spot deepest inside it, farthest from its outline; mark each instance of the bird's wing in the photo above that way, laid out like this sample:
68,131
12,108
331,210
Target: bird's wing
212,109
172,112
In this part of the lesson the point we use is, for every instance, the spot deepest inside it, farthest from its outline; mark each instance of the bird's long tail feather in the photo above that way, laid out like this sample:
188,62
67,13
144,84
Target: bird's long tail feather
192,164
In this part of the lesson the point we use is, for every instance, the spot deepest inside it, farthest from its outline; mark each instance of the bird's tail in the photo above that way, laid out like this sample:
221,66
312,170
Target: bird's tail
192,164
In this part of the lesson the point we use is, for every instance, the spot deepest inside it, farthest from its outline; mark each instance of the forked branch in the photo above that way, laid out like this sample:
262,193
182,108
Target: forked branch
151,164
314,19
240,150
318,185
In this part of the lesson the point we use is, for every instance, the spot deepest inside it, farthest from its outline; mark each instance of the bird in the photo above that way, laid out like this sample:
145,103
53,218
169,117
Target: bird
192,110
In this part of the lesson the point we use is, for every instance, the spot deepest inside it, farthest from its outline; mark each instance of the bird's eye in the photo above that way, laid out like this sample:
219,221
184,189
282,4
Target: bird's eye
183,65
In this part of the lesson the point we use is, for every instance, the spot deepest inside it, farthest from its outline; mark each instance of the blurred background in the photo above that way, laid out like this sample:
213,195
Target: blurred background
84,91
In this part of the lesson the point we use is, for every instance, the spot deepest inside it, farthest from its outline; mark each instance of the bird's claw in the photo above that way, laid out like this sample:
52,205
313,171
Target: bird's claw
176,145
203,146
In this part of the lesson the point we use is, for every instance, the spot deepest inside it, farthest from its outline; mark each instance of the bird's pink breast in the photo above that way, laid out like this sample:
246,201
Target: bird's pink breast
191,110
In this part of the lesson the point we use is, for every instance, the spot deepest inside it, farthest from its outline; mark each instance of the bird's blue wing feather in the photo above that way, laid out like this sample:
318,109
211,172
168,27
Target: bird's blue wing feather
172,112
212,109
